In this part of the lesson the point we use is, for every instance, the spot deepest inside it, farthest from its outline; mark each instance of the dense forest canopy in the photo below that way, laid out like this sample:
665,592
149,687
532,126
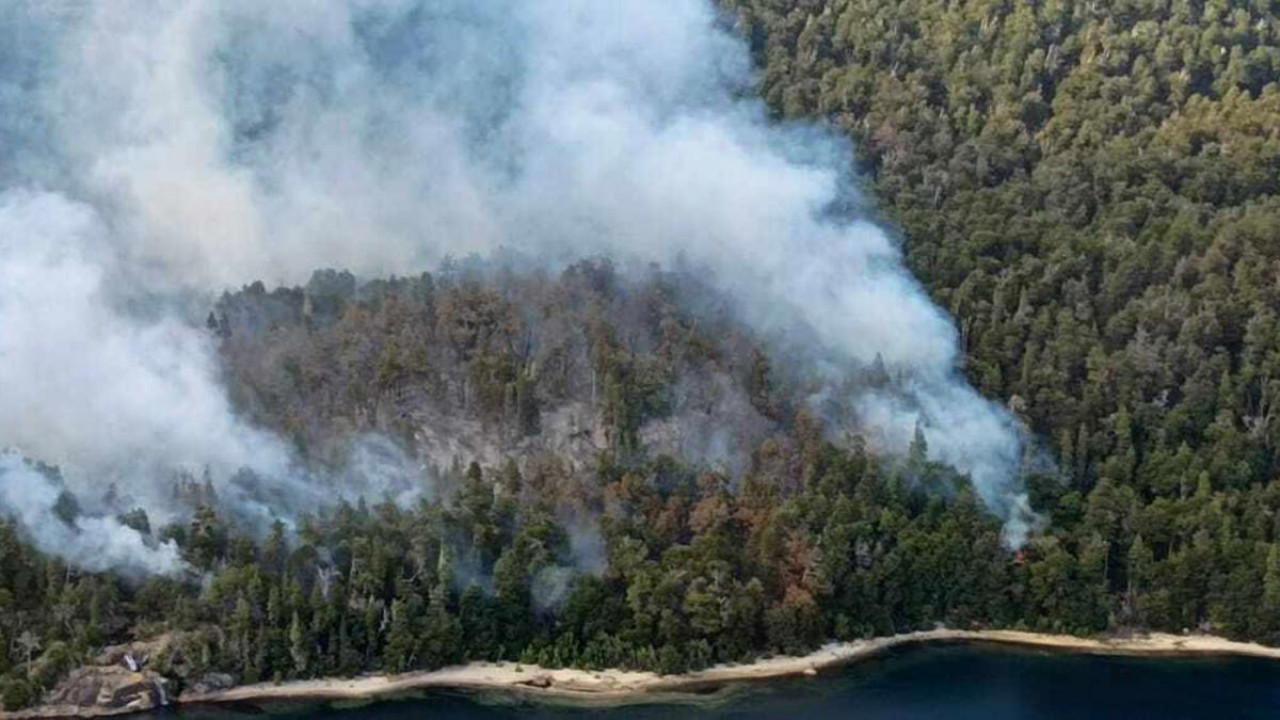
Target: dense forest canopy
1090,188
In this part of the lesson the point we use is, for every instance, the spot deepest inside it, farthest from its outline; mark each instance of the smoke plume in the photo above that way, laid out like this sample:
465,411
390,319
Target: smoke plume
152,153
95,543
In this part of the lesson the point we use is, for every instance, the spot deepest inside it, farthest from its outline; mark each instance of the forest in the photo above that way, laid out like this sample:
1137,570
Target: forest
1089,189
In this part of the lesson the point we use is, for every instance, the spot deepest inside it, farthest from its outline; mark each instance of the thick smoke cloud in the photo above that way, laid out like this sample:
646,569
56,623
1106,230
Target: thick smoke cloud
127,400
83,378
151,151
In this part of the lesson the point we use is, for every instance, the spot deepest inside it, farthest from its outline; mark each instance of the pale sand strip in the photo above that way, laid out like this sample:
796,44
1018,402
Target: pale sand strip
610,687
618,685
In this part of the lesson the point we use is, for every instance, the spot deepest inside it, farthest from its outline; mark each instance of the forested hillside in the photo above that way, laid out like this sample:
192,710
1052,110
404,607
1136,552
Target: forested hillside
647,489
1089,188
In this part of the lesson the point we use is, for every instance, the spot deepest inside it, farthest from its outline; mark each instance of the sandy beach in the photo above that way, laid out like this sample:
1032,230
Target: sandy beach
617,686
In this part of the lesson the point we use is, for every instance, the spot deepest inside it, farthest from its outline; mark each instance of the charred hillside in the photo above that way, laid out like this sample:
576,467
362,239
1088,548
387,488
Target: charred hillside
487,364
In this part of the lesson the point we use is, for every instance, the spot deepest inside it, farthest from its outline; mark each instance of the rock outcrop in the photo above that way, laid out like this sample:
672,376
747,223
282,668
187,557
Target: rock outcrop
101,690
210,683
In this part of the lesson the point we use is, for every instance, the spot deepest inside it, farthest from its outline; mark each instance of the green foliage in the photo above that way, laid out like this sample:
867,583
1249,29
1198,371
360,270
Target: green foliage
1090,191
16,694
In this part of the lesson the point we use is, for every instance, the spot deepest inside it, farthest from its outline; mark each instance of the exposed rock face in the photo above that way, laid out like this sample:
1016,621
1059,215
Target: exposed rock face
572,431
211,682
108,690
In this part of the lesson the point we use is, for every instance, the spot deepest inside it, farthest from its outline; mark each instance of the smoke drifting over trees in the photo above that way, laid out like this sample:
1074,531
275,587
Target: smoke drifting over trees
155,155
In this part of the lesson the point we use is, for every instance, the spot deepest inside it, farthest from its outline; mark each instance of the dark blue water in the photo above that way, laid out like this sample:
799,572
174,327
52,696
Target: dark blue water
952,682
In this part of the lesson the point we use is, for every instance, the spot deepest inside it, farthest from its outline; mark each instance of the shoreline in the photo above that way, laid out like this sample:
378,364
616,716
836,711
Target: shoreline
607,687
619,687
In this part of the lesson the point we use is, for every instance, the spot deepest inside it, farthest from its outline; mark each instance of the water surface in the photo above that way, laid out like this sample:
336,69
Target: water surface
955,682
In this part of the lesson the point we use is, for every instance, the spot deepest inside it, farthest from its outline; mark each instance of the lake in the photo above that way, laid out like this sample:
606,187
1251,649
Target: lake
947,681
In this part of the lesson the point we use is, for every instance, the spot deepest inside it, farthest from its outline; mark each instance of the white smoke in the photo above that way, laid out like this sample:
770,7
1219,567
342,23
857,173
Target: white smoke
124,401
155,149
95,543
82,378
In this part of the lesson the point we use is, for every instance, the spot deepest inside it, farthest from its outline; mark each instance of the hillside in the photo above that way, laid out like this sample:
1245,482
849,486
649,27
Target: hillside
1091,190
594,467
631,481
